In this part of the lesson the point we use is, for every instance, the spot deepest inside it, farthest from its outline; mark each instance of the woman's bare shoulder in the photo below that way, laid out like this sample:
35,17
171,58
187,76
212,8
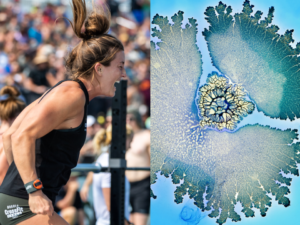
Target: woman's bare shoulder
69,89
68,94
62,103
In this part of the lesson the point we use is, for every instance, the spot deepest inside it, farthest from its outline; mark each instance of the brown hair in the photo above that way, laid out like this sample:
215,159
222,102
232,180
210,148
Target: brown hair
96,45
10,105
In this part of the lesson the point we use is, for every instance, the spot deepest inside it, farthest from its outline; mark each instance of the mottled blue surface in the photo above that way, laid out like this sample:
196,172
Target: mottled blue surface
163,209
165,212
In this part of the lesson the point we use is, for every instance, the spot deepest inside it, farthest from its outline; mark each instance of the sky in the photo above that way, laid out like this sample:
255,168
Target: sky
163,209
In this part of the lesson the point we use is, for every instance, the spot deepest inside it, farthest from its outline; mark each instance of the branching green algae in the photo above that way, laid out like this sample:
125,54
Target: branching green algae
178,50
228,167
222,105
251,53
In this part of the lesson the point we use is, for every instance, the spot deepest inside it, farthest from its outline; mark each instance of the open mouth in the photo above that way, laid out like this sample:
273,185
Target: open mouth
117,82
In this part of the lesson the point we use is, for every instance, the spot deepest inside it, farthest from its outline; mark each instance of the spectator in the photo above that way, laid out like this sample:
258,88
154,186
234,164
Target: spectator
108,118
29,38
87,152
68,202
138,156
37,82
102,181
4,63
10,107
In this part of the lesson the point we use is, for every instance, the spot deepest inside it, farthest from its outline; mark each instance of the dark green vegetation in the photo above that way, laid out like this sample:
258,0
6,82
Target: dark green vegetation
228,167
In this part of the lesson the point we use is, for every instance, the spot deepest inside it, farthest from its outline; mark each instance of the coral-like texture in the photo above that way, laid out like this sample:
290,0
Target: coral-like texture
243,165
222,105
251,53
179,51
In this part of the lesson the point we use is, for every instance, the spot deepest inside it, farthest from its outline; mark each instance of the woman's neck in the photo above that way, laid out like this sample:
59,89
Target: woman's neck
92,88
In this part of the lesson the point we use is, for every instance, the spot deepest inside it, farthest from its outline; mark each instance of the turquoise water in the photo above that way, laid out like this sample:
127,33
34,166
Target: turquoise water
163,209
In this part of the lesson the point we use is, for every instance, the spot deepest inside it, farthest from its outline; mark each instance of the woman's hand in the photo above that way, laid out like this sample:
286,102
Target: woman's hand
39,203
84,193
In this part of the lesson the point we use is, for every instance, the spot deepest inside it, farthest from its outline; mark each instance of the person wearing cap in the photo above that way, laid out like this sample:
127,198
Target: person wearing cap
138,156
90,121
10,106
37,81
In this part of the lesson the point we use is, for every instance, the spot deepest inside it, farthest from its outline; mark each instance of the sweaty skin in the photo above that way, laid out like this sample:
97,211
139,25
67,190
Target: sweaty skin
55,113
62,108
6,137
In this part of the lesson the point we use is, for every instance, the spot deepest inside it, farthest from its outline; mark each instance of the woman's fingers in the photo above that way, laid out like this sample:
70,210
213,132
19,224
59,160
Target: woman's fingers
40,204
48,210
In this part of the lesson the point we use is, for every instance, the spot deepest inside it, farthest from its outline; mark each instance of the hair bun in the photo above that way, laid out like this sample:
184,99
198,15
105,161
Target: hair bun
10,104
96,24
12,91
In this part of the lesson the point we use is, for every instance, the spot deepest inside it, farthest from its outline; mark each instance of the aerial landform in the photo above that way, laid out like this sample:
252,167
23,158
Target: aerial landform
194,134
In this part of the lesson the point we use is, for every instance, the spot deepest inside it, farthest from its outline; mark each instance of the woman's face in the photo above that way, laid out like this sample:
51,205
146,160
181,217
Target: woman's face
111,74
130,120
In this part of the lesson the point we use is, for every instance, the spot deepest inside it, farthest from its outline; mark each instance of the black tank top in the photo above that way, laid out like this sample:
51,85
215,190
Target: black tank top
56,154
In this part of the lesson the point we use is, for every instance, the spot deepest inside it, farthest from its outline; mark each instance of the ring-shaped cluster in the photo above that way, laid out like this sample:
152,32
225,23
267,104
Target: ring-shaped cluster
222,105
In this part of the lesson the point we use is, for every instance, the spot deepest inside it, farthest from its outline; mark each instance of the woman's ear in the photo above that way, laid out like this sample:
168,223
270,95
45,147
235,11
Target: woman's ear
98,69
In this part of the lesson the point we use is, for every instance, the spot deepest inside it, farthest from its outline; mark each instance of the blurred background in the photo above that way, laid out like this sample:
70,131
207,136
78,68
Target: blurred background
35,40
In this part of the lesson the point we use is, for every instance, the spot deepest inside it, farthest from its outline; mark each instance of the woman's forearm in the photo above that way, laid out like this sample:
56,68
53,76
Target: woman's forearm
89,179
23,149
3,165
106,195
6,138
69,199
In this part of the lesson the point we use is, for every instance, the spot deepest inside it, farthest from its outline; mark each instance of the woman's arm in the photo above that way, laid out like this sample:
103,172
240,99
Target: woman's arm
106,194
102,182
3,163
6,137
39,89
86,187
58,106
69,199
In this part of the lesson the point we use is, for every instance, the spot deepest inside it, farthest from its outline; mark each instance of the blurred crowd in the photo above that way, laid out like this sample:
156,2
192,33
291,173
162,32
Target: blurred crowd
35,40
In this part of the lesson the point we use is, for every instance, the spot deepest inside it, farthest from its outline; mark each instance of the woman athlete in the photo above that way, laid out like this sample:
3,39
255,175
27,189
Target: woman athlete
10,107
43,143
